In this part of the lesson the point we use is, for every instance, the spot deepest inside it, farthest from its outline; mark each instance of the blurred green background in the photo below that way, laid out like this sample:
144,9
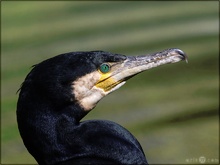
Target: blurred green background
172,109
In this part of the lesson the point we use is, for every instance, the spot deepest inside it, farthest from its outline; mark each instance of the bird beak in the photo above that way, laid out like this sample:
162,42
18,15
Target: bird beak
135,64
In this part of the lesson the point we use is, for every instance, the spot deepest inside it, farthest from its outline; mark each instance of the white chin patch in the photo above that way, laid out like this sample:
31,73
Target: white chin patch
84,91
87,94
92,98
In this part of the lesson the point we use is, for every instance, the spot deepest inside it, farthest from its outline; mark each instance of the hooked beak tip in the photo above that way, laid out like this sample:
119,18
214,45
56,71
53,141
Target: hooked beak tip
182,54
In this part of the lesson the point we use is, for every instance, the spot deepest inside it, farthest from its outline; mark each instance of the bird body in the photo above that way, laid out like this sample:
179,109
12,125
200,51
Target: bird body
60,91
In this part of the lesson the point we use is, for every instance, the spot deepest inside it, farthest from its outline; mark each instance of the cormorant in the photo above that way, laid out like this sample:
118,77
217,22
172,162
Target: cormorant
60,91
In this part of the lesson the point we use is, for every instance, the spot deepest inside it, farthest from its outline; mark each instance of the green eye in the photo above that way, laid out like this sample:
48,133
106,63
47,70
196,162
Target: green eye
104,68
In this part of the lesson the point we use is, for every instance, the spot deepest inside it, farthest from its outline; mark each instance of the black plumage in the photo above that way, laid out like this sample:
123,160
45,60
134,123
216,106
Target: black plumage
49,110
49,118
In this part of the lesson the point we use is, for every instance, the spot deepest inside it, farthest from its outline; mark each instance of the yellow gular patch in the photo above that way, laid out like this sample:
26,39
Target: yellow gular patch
106,82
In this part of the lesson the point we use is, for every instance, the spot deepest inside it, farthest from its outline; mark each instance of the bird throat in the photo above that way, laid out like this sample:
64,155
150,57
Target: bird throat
89,89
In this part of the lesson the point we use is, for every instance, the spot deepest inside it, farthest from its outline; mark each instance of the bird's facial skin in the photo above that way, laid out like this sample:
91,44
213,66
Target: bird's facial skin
89,89
110,76
107,81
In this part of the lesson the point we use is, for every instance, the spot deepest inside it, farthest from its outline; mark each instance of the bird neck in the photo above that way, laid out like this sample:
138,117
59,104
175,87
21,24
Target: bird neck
38,122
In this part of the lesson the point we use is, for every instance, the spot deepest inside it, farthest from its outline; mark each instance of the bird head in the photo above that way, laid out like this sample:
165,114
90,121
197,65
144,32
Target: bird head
86,77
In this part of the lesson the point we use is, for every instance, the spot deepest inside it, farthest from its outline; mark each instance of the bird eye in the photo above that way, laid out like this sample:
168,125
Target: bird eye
104,68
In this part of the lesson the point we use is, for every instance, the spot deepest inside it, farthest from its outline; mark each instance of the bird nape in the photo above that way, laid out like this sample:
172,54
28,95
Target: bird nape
60,91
